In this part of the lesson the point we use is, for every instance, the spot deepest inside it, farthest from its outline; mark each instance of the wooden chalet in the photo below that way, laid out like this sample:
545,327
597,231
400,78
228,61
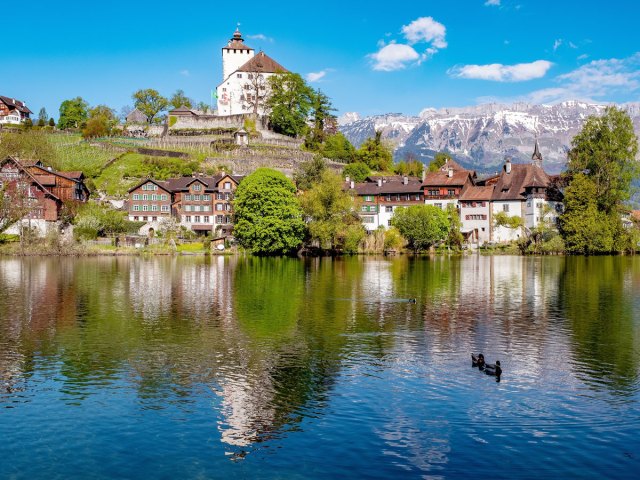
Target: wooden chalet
13,111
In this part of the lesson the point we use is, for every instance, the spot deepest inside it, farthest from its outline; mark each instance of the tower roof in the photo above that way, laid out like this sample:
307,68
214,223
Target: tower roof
537,156
237,42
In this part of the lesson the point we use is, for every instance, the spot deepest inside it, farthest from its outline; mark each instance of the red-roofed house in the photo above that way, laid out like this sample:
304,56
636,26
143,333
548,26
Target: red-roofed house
13,111
444,187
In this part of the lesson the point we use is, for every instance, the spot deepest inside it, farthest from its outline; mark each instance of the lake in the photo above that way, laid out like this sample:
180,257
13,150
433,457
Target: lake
194,367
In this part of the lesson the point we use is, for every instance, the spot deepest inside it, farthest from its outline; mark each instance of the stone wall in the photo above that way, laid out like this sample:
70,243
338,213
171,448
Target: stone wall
210,122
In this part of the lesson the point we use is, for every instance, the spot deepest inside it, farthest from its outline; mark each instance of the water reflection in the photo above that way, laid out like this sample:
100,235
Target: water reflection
267,349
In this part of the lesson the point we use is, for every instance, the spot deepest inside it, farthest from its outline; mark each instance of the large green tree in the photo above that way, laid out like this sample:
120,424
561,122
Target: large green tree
73,113
605,150
438,161
100,123
330,213
289,104
422,225
357,172
149,102
321,115
376,154
268,217
602,165
179,99
337,147
309,173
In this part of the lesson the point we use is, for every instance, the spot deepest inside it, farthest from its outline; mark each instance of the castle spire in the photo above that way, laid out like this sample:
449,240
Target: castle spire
537,156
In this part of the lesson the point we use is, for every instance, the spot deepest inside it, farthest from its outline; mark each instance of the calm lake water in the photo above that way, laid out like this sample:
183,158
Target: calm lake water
283,368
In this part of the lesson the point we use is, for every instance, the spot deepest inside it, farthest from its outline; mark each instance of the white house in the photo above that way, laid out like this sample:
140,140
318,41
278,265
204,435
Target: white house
475,213
244,78
13,111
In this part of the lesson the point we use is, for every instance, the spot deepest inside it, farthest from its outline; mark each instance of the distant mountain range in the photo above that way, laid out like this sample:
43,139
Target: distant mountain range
480,137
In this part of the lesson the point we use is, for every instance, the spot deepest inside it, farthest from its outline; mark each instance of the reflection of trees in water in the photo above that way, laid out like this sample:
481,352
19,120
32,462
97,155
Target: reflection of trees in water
597,297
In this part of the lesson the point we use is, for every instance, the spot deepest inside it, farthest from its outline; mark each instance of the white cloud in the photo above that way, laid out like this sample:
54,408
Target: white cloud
498,72
394,56
597,79
317,76
492,3
260,36
583,56
426,30
185,73
557,44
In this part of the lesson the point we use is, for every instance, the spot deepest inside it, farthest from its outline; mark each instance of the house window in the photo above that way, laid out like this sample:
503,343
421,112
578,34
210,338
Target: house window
368,219
368,198
365,208
164,196
389,223
197,187
434,192
439,205
136,196
136,208
219,207
206,198
505,207
135,219
196,219
144,219
451,191
165,208
187,218
206,219
219,218
227,185
388,198
239,75
145,208
154,208
417,197
529,203
227,196
155,219
388,209
145,197
219,196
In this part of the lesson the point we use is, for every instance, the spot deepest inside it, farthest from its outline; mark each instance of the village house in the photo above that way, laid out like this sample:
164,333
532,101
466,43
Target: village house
38,193
136,117
380,196
244,78
199,203
475,213
443,188
13,111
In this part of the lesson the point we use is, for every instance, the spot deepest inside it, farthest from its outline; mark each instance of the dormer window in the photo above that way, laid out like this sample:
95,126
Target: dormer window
227,185
197,187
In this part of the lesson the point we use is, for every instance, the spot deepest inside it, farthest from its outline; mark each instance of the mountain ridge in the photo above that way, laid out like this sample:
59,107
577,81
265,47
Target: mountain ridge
482,136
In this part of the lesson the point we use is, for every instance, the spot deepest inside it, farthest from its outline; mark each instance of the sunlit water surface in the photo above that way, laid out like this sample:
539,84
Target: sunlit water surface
284,368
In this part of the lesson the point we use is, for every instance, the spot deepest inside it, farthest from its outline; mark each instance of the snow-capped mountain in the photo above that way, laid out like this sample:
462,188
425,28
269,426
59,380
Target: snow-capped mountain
481,136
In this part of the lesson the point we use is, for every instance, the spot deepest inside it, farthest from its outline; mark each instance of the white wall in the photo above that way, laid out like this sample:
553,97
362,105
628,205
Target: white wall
516,209
233,61
483,226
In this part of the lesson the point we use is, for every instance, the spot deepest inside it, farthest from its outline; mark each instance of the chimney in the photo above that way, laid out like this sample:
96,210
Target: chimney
49,168
450,172
405,180
352,184
379,182
507,165
347,179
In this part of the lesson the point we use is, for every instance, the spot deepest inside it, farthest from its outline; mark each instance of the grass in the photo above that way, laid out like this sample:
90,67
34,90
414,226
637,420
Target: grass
74,154
196,247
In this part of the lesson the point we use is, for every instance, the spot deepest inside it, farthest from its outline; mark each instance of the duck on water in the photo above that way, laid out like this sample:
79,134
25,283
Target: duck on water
493,369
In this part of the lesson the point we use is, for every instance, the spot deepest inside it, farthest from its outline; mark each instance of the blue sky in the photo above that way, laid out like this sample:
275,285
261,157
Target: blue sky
370,57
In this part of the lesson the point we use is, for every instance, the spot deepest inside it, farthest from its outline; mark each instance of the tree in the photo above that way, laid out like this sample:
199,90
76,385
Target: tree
330,213
179,99
585,229
255,92
309,173
203,107
358,172
321,109
438,161
289,103
605,150
28,123
268,217
125,110
100,123
43,118
337,147
409,167
150,103
14,204
454,238
73,113
52,122
422,225
376,154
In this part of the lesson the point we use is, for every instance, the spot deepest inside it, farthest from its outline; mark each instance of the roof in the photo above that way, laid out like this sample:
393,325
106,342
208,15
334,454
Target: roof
390,185
511,186
442,178
136,116
182,110
17,104
46,180
29,174
474,193
237,42
262,63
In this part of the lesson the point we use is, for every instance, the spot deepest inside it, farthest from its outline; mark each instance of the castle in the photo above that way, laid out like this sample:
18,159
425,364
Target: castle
245,75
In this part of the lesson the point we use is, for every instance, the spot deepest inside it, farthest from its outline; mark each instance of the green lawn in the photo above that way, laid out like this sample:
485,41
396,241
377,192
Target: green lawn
74,154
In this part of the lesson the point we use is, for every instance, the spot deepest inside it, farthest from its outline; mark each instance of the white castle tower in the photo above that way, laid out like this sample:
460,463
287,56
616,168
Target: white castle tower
235,54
